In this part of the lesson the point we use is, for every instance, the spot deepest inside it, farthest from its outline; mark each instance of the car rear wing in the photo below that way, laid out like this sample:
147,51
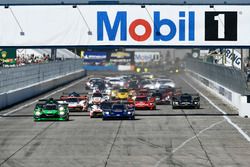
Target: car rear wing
195,96
59,101
122,102
80,97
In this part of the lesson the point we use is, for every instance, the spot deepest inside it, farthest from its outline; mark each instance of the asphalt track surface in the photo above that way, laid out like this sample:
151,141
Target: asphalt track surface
164,137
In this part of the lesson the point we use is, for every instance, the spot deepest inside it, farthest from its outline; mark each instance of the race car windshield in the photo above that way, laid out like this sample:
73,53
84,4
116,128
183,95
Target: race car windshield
118,107
114,80
72,100
97,95
141,99
133,83
94,80
156,95
164,81
186,98
146,82
50,107
123,90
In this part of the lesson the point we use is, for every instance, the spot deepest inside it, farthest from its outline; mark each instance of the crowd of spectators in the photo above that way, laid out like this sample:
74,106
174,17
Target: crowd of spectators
32,59
21,60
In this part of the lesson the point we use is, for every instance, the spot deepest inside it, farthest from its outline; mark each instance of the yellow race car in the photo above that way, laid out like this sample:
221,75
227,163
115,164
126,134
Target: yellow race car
122,94
114,93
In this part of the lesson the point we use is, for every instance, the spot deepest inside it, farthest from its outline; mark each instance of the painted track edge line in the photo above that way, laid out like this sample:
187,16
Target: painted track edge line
220,110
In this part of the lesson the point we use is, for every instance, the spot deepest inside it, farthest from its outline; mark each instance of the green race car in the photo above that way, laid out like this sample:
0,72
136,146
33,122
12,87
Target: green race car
51,109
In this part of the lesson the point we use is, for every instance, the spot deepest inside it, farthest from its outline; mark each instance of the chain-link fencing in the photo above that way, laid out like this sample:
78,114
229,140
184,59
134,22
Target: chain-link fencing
18,77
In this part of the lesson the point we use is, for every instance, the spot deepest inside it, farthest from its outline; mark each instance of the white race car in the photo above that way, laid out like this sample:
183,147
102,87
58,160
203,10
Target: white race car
95,111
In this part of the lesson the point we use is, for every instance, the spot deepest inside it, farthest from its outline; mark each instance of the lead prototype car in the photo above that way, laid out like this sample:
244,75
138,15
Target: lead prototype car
118,111
186,100
51,109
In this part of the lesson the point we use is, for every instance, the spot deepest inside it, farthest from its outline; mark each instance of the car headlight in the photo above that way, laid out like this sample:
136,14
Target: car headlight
129,113
61,108
61,113
107,113
37,113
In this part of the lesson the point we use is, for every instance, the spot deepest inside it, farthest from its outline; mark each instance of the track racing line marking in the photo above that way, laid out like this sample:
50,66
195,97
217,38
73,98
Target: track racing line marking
188,140
223,112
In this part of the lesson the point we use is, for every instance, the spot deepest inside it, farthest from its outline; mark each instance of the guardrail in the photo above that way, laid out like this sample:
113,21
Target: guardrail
19,77
232,78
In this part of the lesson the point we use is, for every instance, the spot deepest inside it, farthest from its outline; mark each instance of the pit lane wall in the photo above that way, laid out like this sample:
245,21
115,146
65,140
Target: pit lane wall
12,97
238,97
44,84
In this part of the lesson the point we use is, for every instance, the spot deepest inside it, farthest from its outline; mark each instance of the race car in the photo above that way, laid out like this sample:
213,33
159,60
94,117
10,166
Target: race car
122,94
159,98
118,111
143,92
51,109
168,93
91,82
186,100
75,101
95,111
143,102
113,93
147,75
96,98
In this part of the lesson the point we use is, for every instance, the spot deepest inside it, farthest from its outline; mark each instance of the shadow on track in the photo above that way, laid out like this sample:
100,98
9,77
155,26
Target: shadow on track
181,114
146,115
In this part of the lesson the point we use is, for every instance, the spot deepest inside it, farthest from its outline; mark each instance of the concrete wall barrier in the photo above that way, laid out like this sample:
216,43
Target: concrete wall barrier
239,101
231,97
15,96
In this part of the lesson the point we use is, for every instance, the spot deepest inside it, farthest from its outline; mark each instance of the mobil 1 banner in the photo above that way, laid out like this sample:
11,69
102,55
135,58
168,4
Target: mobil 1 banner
221,26
126,25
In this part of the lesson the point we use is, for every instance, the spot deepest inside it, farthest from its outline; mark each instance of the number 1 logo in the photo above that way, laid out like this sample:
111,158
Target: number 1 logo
220,26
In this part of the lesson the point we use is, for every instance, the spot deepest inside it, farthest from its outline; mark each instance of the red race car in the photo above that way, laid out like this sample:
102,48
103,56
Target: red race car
168,93
143,102
143,92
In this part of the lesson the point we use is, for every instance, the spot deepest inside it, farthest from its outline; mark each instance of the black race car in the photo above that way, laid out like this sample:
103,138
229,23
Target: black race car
159,99
186,100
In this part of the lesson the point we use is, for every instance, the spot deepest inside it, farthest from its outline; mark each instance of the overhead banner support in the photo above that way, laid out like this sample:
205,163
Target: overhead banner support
125,25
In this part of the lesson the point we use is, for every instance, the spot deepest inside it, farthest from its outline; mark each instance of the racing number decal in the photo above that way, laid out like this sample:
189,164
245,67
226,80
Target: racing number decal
220,18
220,26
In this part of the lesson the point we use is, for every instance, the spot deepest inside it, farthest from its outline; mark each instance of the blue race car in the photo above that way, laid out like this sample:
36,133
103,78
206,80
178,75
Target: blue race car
118,111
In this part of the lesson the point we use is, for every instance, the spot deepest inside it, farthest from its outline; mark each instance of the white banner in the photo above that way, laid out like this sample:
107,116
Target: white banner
125,25
146,57
231,55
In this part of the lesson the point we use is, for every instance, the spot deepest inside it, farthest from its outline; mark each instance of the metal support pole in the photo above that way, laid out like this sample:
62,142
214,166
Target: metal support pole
242,60
233,57
53,54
